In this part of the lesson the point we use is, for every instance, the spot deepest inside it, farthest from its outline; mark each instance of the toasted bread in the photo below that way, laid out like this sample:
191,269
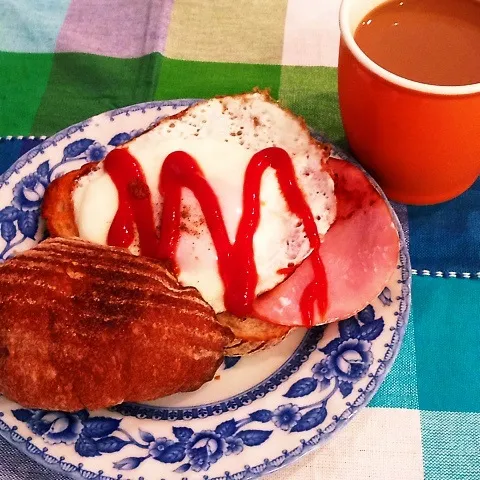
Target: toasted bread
250,122
251,334
57,207
88,326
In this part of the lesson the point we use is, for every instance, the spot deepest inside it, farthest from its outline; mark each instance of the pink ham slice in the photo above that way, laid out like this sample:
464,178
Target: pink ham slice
359,252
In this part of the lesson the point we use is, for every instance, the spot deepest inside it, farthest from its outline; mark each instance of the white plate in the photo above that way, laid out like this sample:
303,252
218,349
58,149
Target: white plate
263,412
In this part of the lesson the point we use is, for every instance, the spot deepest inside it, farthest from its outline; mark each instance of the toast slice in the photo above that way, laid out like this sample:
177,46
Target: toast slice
251,334
248,122
57,207
88,326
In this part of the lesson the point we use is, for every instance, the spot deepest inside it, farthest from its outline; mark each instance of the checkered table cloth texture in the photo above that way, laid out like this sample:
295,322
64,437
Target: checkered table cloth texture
62,61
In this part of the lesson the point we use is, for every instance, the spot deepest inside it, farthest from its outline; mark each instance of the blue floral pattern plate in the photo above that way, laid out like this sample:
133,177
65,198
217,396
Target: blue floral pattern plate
259,414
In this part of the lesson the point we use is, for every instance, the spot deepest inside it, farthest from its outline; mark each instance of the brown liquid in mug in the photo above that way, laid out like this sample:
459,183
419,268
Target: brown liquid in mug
428,41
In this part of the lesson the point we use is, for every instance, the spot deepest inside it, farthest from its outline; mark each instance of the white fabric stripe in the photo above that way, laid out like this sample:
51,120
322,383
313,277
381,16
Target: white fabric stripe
311,34
22,137
429,273
380,444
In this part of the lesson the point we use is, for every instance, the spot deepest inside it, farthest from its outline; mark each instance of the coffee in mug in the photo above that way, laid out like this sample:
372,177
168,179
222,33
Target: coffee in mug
409,94
428,41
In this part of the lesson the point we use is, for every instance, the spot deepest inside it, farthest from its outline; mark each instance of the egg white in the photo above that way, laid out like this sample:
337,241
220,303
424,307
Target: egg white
222,135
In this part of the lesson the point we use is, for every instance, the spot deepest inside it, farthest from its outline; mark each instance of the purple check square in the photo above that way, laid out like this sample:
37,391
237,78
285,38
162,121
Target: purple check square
114,28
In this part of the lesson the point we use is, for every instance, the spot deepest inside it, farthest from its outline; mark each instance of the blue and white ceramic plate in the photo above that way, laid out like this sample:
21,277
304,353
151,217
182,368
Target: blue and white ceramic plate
261,413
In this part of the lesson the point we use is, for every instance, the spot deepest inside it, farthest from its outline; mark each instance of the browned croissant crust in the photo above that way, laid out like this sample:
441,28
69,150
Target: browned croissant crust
87,326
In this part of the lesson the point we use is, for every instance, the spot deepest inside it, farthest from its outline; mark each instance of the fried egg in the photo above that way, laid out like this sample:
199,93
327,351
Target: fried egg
222,135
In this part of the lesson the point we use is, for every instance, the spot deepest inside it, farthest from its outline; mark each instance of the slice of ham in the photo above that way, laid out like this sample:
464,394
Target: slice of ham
359,252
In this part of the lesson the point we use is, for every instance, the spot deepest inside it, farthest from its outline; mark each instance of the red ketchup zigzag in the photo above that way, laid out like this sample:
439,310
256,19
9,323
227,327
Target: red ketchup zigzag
340,276
359,254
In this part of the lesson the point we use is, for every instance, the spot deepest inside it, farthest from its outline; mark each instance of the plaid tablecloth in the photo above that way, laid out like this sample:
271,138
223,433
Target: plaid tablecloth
62,61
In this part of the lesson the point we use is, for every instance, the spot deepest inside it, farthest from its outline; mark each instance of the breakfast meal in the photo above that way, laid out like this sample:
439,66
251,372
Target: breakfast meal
215,232
88,326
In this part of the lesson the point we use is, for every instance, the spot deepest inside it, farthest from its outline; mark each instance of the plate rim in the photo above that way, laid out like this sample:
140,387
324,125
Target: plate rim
43,458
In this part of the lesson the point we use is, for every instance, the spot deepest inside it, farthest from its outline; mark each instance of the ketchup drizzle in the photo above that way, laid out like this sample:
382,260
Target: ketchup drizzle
134,204
236,261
